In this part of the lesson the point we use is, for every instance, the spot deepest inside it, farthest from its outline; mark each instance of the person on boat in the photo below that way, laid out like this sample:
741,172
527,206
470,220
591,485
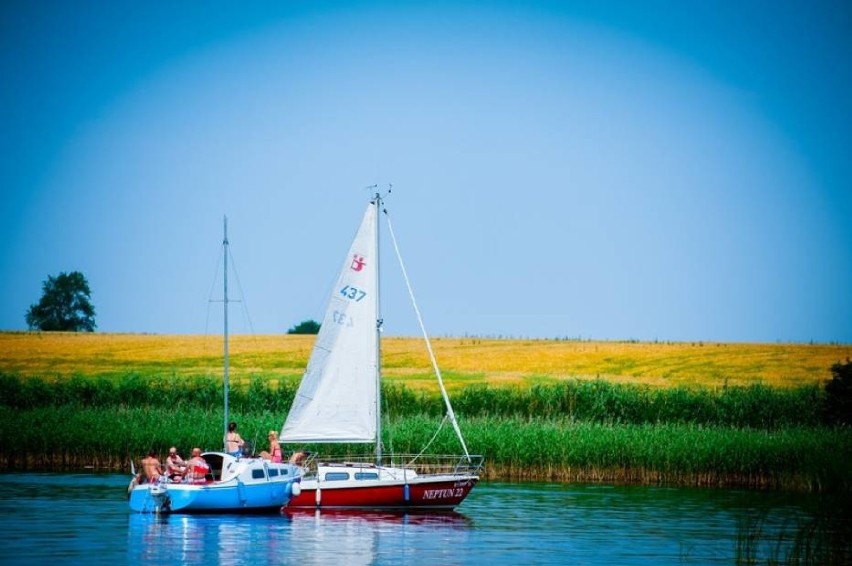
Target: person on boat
151,467
274,453
175,465
297,457
197,468
233,441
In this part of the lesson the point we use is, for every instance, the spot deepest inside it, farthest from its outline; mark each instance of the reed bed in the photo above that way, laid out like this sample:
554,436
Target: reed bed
596,401
601,401
823,536
799,458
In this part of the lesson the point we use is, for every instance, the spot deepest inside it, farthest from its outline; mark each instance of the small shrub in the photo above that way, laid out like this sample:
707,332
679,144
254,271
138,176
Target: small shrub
838,395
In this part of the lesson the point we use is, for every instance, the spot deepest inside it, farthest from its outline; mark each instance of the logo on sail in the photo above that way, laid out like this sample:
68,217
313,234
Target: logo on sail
357,263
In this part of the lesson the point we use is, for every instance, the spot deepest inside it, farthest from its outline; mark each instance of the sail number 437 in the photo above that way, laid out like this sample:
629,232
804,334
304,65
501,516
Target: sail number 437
351,292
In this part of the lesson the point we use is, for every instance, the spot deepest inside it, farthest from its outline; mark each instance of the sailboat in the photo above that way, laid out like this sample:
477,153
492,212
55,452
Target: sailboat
228,483
339,401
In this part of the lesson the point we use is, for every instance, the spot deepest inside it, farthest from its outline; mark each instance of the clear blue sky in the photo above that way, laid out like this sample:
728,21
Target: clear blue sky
614,170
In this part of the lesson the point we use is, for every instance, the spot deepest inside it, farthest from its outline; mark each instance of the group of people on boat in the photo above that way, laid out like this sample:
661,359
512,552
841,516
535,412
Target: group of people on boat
235,446
177,470
196,469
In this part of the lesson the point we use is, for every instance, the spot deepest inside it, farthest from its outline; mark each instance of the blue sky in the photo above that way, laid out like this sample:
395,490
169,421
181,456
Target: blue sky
611,170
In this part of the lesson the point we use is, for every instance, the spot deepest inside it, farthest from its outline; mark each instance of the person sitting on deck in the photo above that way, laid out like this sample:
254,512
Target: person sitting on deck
197,468
233,441
274,453
298,457
175,465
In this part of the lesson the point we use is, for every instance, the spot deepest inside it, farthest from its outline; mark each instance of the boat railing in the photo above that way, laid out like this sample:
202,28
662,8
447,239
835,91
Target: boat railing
306,460
422,464
428,464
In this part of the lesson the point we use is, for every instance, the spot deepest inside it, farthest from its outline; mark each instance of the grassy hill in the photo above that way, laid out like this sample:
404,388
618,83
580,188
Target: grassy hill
463,361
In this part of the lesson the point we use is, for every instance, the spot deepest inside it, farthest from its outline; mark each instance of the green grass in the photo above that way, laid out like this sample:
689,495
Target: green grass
599,401
796,458
604,402
575,430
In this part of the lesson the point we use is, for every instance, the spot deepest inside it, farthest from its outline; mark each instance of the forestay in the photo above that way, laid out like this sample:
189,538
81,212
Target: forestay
337,399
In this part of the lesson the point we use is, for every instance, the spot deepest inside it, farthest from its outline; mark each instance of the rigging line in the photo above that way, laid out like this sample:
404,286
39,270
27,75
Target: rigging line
450,412
242,301
389,429
428,444
212,288
207,343
242,298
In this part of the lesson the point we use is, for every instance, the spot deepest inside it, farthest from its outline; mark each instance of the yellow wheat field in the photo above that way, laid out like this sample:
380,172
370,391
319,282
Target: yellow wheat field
463,361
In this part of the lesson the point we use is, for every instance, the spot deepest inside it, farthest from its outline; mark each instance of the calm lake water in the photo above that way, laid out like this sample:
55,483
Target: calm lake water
84,518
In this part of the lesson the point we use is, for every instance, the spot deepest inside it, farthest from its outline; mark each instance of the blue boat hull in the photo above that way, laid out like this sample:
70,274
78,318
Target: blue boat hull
251,485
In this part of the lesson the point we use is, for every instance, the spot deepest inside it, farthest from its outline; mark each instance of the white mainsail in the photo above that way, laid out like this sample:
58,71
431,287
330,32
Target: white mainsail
337,399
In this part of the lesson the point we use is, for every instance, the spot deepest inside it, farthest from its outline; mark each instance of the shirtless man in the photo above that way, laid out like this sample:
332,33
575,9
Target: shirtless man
298,457
151,467
175,465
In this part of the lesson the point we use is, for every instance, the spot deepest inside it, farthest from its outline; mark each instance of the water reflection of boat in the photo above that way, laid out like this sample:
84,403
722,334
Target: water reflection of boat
296,536
217,539
339,401
425,517
359,536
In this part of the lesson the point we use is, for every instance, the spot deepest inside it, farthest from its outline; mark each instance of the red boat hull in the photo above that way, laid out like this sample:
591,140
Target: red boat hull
422,493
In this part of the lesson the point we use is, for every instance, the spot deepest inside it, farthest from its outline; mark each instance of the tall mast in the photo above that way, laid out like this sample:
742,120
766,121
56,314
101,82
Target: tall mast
225,301
378,204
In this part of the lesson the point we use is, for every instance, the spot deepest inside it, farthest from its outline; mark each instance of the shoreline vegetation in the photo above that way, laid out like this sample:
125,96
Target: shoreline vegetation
732,415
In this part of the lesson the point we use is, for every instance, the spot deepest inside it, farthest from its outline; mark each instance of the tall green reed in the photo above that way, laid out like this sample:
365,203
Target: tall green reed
599,401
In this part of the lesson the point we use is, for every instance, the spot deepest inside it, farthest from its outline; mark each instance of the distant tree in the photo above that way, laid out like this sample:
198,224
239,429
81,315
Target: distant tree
65,305
305,327
838,394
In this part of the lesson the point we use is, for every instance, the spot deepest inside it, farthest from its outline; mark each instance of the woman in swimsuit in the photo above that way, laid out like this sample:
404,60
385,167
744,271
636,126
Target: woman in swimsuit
233,441
274,453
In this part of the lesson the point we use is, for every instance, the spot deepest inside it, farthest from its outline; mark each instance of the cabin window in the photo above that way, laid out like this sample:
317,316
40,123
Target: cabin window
257,474
337,476
273,472
366,476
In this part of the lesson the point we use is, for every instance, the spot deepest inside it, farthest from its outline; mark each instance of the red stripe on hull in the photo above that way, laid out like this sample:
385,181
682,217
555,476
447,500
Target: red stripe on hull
444,494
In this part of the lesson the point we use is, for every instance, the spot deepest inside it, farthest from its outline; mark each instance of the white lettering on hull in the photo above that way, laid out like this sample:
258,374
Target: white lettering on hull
443,493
